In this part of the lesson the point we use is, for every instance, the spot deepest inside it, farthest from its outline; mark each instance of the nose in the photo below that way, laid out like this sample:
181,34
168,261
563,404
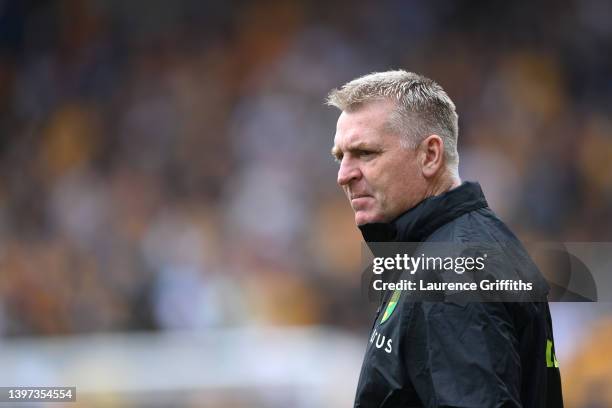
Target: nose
348,172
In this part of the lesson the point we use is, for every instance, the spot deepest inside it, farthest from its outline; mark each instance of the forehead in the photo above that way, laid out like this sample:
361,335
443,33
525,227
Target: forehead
368,123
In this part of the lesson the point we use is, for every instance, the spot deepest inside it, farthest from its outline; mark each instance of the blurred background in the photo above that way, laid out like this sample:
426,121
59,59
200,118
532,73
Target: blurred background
171,233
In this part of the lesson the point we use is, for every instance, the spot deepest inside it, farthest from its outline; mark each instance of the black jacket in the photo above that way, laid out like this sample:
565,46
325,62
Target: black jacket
443,354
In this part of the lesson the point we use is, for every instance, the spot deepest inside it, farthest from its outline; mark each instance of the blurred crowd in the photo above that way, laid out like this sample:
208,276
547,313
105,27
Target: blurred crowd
165,165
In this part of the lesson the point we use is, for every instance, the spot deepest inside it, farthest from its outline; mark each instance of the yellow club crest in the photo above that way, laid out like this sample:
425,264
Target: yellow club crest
391,306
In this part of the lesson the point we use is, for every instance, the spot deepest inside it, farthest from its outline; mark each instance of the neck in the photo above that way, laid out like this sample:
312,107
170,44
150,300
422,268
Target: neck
442,183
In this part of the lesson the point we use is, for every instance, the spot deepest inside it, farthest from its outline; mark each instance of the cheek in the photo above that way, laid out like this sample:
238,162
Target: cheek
390,173
394,189
382,189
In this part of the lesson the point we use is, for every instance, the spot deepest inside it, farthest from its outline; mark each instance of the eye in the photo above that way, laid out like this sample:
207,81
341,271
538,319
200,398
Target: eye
338,157
366,154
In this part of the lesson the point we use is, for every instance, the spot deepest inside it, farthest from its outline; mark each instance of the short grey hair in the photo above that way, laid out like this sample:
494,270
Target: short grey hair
423,107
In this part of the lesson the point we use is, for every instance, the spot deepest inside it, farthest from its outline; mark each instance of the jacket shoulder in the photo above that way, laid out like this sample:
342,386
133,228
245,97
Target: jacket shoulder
481,225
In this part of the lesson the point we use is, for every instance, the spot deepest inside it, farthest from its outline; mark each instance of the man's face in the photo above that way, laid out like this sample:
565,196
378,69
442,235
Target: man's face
380,178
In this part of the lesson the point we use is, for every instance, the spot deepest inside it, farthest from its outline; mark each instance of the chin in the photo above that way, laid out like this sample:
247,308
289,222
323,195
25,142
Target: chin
362,219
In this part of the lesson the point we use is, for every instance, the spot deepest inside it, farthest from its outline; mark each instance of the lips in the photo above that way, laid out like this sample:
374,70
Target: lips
355,196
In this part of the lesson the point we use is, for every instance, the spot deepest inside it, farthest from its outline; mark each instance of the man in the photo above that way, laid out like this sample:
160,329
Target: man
396,144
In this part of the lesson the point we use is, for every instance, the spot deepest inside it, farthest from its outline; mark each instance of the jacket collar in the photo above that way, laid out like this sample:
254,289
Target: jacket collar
420,221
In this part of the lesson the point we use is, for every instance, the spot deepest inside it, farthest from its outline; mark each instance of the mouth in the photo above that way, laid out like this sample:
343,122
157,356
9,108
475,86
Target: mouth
354,196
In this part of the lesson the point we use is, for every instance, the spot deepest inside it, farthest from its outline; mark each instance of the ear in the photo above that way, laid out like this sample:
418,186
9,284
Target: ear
432,155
